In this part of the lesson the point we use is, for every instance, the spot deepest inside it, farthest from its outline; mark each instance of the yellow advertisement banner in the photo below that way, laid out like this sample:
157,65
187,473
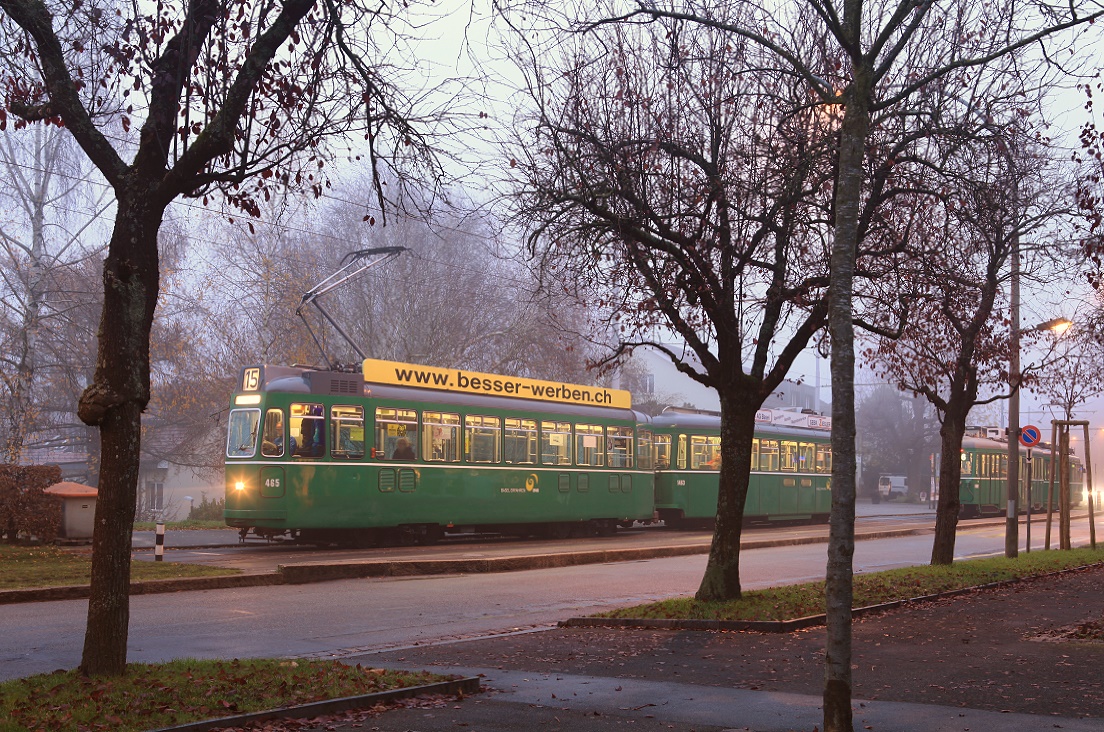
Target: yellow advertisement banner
471,382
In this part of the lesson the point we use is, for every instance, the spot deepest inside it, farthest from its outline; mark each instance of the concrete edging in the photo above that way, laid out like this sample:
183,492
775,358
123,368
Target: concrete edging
457,687
323,572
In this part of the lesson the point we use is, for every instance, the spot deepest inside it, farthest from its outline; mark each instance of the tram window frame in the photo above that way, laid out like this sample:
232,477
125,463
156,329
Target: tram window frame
769,455
754,454
590,445
477,428
273,435
236,421
705,452
682,450
661,446
345,421
806,457
619,446
823,458
441,437
393,424
644,454
520,440
555,442
299,413
787,456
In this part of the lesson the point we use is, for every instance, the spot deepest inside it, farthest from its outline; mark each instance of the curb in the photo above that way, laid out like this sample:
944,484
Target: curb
458,687
307,573
147,587
320,572
786,626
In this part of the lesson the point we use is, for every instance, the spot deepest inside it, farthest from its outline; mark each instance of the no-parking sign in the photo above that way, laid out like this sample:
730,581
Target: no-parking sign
1030,436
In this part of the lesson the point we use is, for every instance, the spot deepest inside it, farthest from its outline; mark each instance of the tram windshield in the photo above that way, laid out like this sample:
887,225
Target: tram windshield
241,439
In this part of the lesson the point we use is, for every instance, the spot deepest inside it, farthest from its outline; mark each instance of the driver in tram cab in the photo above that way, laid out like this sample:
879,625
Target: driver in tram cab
403,450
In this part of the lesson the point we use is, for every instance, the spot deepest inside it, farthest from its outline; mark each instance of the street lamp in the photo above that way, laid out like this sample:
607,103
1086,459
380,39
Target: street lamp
1055,325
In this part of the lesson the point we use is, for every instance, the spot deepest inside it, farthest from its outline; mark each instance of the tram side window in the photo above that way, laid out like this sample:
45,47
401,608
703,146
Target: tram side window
1004,466
705,452
441,437
393,425
272,438
481,444
619,443
644,450
521,441
662,452
824,458
682,452
555,443
789,457
241,436
754,454
347,433
590,448
308,430
967,464
768,455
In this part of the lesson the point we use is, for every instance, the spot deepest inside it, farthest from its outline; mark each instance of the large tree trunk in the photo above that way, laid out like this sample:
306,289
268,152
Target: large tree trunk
841,534
114,402
950,475
722,571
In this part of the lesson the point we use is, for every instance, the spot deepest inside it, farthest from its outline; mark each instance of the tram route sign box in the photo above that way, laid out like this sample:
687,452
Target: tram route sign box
471,382
1030,436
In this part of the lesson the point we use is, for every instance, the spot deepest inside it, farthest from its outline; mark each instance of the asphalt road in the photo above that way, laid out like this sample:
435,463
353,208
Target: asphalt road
352,617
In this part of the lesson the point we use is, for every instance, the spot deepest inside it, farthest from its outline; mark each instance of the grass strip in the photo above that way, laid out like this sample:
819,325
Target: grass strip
797,601
187,525
151,696
25,567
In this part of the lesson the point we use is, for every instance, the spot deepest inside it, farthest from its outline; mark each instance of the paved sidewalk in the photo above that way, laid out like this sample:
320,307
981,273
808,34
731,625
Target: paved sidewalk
527,701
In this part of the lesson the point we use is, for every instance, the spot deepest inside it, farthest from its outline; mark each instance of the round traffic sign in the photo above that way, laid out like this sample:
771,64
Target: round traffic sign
1030,436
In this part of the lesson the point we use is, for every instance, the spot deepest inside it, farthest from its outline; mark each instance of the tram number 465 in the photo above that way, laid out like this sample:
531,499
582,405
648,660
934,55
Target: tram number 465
272,483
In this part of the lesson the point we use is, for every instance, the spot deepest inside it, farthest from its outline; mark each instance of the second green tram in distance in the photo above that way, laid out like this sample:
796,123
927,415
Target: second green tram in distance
983,486
791,466
399,453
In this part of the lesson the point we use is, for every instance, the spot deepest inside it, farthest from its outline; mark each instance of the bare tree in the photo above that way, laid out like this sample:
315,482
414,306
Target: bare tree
54,208
676,182
997,193
897,435
236,98
1075,374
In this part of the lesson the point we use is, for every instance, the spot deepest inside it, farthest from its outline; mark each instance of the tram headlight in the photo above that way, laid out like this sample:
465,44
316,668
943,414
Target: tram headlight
239,486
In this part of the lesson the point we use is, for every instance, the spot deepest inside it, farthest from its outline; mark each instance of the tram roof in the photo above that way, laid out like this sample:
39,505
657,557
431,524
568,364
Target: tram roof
712,422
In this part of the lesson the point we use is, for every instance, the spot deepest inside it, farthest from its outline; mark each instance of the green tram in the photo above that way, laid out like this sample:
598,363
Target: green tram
403,454
791,467
983,487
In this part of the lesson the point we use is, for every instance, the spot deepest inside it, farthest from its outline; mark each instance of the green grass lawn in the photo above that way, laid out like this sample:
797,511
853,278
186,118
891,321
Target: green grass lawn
23,567
151,696
797,601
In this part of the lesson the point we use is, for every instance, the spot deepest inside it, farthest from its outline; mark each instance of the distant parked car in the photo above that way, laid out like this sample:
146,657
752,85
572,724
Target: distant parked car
892,486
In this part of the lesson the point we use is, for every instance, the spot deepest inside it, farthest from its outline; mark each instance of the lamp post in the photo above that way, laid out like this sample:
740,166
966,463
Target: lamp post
1058,325
1012,521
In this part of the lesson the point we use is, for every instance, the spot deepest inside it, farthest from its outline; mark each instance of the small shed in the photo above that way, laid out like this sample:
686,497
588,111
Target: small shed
78,509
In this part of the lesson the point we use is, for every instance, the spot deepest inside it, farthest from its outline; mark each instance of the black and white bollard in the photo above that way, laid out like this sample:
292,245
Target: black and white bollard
159,550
